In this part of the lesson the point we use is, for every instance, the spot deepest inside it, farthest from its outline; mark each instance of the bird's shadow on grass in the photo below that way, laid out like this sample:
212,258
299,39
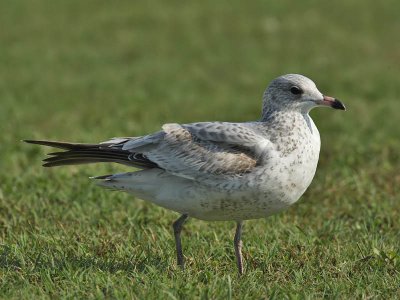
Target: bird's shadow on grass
56,260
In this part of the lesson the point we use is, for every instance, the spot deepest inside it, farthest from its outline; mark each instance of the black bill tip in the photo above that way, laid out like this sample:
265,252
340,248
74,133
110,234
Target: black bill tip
338,105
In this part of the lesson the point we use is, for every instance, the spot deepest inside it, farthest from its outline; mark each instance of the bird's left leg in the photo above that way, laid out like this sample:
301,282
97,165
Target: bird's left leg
178,224
237,242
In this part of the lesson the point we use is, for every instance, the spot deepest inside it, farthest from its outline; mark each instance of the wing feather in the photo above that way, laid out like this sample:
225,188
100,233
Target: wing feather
194,150
189,150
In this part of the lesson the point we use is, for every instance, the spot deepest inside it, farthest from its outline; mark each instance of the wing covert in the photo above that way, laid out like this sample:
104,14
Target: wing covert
198,149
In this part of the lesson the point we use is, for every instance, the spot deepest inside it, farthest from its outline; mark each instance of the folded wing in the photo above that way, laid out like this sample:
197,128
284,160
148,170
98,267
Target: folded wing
198,149
190,151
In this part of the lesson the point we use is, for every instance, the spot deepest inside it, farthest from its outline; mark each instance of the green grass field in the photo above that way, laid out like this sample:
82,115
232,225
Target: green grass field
91,70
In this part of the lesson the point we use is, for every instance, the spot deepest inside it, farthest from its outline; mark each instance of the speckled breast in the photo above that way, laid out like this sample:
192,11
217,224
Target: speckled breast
273,186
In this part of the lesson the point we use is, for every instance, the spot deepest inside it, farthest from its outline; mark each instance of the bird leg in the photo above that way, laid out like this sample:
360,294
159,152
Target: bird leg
177,225
237,242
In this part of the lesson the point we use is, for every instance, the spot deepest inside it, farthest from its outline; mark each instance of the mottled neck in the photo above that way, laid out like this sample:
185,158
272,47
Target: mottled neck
268,106
289,130
287,122
279,115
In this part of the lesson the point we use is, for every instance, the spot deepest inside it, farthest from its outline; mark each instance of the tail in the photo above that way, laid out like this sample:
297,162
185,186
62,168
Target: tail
76,153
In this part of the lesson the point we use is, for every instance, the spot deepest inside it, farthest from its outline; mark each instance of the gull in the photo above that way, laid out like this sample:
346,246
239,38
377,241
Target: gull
218,171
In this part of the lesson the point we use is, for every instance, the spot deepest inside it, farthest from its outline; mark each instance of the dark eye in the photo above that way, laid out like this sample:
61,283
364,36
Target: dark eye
296,90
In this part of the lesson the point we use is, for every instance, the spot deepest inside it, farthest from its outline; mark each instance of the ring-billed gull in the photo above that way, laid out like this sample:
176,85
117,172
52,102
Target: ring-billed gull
218,170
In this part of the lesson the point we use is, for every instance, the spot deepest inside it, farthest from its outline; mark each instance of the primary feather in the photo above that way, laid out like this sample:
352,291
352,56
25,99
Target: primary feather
77,153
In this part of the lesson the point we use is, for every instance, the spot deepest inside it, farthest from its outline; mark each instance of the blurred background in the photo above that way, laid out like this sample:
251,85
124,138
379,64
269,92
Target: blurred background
90,70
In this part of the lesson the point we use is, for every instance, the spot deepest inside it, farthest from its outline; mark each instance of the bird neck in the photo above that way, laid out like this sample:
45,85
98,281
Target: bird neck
289,122
283,114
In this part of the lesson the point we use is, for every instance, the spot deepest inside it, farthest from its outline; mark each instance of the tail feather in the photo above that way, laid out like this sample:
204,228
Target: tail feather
91,153
77,153
61,145
80,161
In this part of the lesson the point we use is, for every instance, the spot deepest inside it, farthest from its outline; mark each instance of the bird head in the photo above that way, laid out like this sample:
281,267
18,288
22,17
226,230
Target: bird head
294,92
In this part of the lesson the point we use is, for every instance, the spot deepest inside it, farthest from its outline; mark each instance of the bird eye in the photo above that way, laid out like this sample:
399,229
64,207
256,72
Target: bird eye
296,90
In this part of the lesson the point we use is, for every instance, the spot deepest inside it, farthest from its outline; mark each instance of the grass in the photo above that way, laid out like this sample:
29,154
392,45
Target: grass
90,70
